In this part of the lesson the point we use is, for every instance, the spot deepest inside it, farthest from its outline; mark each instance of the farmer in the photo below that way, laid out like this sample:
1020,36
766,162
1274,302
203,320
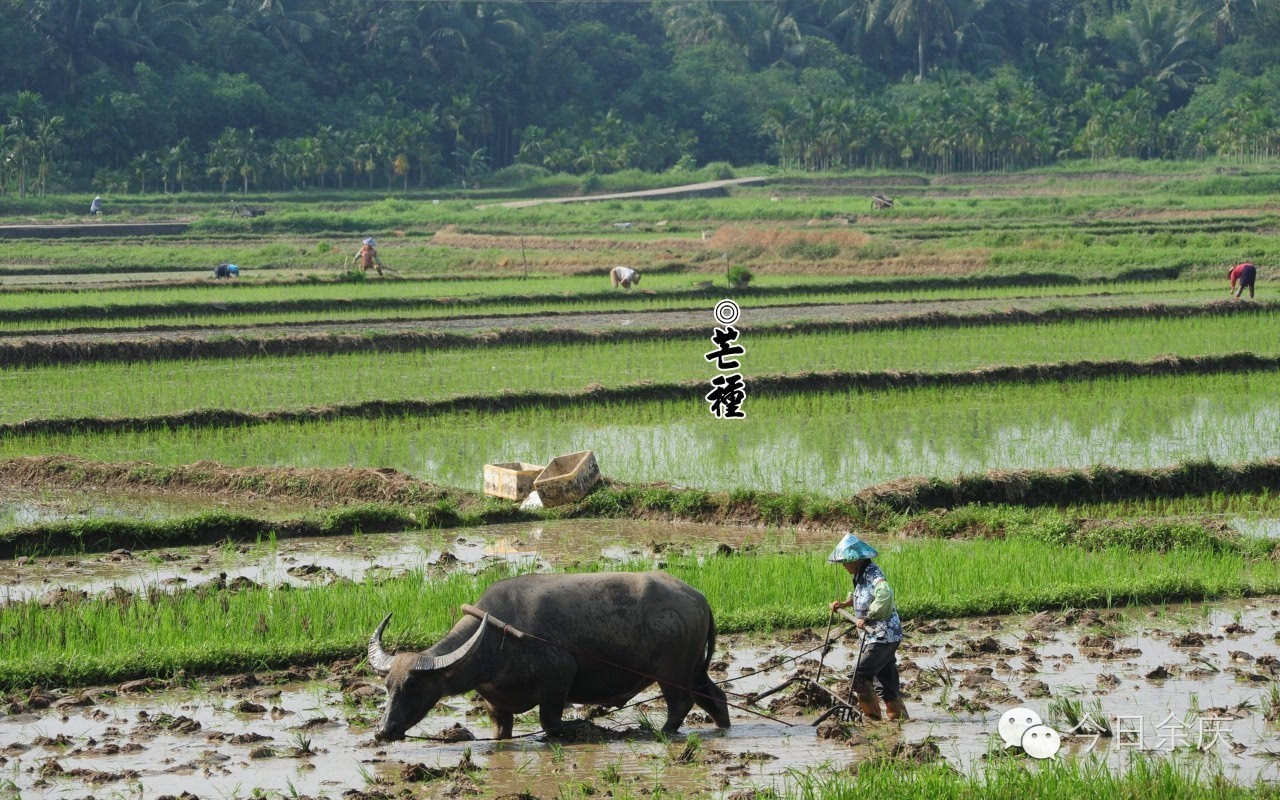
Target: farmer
624,276
368,256
95,207
872,602
1244,275
226,271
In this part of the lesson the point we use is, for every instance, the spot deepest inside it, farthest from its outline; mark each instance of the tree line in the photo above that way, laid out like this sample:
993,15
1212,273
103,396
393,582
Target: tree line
166,95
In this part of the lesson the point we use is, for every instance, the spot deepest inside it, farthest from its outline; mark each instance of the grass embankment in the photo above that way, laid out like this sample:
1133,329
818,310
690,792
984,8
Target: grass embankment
100,640
778,388
101,535
454,509
896,341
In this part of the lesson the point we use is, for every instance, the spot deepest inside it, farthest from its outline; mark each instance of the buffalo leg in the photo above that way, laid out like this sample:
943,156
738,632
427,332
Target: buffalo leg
711,699
550,714
502,723
679,702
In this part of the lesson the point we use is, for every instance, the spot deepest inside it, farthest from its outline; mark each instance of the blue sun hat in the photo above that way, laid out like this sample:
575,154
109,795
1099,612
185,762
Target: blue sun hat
370,242
851,548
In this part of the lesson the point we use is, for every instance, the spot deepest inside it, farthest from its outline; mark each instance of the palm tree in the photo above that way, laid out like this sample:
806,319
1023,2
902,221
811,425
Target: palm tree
140,168
221,159
47,142
1230,18
246,157
183,161
927,18
1159,43
766,32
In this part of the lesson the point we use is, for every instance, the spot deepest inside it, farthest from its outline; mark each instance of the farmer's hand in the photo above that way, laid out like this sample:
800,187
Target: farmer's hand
836,605
860,622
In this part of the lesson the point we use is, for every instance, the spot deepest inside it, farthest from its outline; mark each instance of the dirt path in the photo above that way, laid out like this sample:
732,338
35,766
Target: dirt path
78,229
625,319
687,188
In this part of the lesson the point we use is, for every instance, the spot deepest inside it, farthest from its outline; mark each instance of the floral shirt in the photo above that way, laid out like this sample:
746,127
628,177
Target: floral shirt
889,630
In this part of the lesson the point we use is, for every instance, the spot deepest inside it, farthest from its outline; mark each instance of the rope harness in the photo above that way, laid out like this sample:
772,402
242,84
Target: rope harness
841,705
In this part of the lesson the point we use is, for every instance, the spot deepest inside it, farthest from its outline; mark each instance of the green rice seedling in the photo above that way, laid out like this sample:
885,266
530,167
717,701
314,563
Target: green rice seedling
1270,703
258,628
1009,777
611,775
820,442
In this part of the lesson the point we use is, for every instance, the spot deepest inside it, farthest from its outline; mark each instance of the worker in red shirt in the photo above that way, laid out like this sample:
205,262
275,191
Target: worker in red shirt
1243,275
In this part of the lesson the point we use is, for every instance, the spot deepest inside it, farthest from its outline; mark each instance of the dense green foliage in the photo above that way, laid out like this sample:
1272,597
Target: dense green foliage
148,95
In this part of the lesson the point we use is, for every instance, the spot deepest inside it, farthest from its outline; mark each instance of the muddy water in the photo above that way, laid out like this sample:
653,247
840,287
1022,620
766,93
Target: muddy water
1215,659
301,562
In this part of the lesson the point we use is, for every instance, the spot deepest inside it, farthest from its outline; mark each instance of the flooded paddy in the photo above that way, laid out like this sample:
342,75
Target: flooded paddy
830,443
1178,674
312,561
21,506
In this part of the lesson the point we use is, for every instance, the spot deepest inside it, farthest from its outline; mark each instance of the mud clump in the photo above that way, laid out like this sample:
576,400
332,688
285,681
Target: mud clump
1034,688
977,648
62,597
141,685
52,770
583,731
456,733
920,753
1160,673
248,707
421,773
841,732
166,722
249,738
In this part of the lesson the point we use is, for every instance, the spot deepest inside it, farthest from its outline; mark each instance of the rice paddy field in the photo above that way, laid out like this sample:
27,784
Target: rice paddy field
1032,392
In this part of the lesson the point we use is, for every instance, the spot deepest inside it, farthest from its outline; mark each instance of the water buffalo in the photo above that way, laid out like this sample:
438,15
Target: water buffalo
614,634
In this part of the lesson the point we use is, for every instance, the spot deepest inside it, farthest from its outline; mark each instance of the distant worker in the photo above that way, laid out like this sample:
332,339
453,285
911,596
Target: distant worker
1243,275
368,256
226,271
95,208
624,277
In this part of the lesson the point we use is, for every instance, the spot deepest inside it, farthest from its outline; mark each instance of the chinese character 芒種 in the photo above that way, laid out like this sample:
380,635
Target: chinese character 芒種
723,339
726,396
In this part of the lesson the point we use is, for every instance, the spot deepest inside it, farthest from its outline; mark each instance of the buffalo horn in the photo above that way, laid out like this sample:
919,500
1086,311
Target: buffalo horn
426,663
379,659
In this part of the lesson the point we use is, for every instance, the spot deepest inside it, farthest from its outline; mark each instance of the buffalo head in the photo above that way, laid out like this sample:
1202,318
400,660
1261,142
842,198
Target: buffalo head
415,681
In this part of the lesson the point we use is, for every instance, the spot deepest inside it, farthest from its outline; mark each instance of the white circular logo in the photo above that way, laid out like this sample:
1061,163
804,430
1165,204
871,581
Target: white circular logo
727,312
1014,723
1022,727
1041,741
